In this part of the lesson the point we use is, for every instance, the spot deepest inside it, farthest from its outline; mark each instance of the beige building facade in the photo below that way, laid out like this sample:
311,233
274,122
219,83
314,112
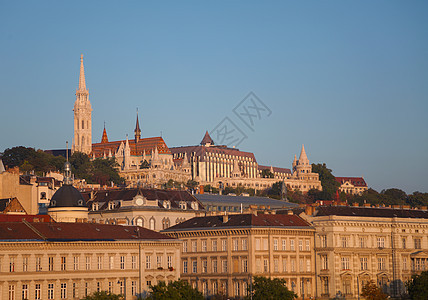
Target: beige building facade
70,261
356,244
221,254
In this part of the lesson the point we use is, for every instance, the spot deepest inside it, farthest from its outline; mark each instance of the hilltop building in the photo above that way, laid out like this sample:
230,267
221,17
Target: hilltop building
352,185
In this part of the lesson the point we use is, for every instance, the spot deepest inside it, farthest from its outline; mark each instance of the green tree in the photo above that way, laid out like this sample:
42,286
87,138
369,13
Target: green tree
269,289
16,156
104,171
191,184
81,166
328,182
176,290
266,173
103,295
417,287
371,291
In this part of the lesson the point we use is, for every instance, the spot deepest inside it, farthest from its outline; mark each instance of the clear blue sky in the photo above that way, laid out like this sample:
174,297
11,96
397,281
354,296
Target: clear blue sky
349,79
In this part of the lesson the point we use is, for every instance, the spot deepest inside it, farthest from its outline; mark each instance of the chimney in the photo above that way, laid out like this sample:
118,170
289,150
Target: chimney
355,204
290,212
309,210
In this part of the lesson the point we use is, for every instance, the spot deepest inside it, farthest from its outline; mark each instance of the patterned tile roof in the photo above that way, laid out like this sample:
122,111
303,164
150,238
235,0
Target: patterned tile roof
201,151
370,212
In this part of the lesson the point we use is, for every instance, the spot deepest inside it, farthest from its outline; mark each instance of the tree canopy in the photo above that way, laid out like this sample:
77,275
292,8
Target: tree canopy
328,182
371,291
103,295
176,290
417,287
270,289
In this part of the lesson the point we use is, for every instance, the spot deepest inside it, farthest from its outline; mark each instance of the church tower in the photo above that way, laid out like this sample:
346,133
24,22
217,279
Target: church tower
82,116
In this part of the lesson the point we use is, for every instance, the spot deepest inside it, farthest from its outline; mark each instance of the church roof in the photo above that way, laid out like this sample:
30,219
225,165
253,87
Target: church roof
275,169
303,156
137,148
104,138
207,139
202,150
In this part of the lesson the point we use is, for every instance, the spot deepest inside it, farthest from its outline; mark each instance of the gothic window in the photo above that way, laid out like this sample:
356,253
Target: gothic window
139,222
165,223
152,223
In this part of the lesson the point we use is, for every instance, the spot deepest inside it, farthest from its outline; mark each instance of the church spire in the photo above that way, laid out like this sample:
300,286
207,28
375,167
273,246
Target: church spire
137,130
104,138
82,82
303,157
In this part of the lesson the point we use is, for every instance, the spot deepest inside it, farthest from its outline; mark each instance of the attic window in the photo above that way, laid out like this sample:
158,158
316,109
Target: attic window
126,230
59,228
9,229
97,229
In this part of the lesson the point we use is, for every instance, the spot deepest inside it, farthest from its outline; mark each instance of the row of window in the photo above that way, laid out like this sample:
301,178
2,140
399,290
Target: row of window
75,263
279,265
346,263
379,242
242,245
66,291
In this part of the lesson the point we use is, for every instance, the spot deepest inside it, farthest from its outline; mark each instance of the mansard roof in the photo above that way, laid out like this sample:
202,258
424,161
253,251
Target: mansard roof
355,181
54,232
201,151
241,221
173,196
376,212
137,148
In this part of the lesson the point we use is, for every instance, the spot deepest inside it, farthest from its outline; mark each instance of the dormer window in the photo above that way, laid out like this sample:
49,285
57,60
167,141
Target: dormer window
95,206
183,205
111,205
194,205
167,204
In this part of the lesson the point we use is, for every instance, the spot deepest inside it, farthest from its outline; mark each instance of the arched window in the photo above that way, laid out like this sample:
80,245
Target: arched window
165,223
139,222
152,223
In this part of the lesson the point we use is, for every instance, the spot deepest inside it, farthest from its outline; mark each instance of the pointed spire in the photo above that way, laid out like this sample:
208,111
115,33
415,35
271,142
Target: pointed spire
2,169
137,130
207,140
82,82
303,157
104,138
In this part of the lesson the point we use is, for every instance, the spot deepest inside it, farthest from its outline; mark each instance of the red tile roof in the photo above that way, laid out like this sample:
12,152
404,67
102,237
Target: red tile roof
76,232
28,218
355,181
275,169
242,220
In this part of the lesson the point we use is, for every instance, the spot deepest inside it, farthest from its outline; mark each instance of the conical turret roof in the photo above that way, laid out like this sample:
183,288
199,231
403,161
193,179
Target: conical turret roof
207,139
303,156
104,138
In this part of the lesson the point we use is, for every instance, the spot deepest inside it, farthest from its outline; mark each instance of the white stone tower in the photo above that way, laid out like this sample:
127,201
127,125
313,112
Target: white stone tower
82,116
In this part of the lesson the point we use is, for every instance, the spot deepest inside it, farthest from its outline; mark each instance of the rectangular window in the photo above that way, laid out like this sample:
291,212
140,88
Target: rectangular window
12,266
258,244
265,265
121,287
345,262
25,291
214,262
38,291
63,263
307,245
51,263
245,265
224,266
88,262
38,263
98,286
204,245
184,246
403,241
275,265
381,242
292,245
275,244
324,262
235,244
214,245
301,264
323,241
111,262
86,289
223,245
293,265
244,244
308,265
133,262
133,288
195,266
381,263
122,262
75,263
265,244
25,264
99,262
345,241
258,265
284,244
184,266
74,291
417,243
204,266
364,263
300,245
148,262
159,261
284,265
405,263
11,292
169,261
194,246
63,291
50,291
363,242
110,286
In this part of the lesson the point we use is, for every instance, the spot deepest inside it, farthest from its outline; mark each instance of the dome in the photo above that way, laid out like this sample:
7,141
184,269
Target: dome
67,196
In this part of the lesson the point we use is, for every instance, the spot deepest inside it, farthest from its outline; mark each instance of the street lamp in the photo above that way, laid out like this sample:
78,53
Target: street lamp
124,286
